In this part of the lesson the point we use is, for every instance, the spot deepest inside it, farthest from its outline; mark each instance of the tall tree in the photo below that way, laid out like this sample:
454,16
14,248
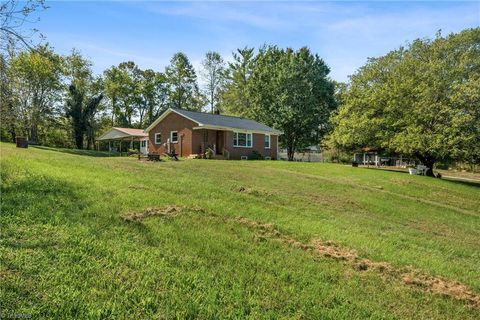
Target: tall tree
83,98
421,100
214,76
183,86
81,114
155,94
78,70
118,90
290,91
131,97
8,117
234,97
35,83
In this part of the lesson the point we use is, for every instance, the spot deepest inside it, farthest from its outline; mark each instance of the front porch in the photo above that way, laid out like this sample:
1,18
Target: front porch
216,140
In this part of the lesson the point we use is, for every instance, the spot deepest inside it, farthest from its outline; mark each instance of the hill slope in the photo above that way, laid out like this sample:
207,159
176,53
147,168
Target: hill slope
87,236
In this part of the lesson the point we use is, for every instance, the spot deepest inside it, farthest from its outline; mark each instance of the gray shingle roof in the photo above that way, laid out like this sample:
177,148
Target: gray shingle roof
208,119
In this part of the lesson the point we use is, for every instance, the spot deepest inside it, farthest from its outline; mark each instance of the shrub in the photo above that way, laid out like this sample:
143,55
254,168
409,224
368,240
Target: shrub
255,155
209,154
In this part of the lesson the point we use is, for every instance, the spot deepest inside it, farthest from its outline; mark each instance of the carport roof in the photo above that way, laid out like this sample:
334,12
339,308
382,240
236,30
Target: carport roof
122,133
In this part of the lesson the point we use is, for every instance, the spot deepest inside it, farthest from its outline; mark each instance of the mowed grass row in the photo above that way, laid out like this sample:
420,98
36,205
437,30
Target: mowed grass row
66,252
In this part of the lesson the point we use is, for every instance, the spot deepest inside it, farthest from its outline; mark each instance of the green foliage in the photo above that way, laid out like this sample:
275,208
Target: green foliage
421,100
214,75
234,97
182,81
335,155
82,99
67,253
208,154
290,91
154,91
81,114
34,89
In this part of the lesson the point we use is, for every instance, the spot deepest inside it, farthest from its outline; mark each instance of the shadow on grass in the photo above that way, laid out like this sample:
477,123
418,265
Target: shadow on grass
90,153
464,182
39,199
458,180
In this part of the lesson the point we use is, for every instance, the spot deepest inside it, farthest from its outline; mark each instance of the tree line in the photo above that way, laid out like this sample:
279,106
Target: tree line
57,100
421,100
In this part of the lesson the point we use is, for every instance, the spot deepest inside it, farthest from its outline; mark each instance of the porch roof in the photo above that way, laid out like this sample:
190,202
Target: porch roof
123,133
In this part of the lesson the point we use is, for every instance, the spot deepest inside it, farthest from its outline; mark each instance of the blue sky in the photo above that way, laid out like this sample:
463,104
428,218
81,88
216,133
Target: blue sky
344,34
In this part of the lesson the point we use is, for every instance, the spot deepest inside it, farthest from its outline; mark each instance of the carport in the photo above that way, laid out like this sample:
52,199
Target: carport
125,134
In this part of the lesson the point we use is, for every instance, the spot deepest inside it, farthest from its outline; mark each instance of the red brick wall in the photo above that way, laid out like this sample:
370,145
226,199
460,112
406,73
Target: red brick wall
173,122
202,139
190,141
258,144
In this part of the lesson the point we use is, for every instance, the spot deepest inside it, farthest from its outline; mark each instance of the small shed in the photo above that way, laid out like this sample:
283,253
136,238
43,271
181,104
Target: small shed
126,134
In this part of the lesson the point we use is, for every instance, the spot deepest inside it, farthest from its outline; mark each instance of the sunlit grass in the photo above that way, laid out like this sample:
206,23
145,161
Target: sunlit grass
66,252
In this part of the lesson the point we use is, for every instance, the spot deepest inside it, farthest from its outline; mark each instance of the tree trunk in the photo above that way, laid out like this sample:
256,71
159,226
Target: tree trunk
90,139
33,133
12,132
429,165
79,139
428,162
290,153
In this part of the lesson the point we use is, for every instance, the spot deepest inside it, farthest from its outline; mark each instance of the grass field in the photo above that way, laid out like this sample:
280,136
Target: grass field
86,236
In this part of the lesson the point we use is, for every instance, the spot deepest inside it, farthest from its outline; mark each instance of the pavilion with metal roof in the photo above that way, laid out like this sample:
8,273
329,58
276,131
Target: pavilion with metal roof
123,134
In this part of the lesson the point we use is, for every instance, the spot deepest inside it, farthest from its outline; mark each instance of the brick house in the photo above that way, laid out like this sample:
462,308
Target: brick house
191,133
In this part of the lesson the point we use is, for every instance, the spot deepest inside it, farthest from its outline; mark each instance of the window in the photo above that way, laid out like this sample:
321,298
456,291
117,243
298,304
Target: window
158,138
267,141
144,143
173,136
242,139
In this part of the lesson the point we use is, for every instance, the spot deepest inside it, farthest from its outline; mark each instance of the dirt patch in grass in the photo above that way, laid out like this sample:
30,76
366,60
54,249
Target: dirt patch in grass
401,182
406,275
329,249
443,287
167,211
252,191
5,274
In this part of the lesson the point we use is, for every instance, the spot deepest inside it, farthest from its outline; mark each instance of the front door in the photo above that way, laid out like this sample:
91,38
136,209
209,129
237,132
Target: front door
219,142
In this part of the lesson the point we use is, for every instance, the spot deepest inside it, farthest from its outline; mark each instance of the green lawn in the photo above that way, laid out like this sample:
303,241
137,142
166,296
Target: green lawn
67,251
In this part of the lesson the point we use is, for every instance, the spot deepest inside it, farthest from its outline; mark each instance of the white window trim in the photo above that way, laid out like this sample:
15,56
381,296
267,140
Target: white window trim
171,137
246,133
269,141
158,134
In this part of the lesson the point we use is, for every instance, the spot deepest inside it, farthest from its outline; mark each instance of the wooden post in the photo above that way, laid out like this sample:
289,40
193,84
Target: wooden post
181,145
